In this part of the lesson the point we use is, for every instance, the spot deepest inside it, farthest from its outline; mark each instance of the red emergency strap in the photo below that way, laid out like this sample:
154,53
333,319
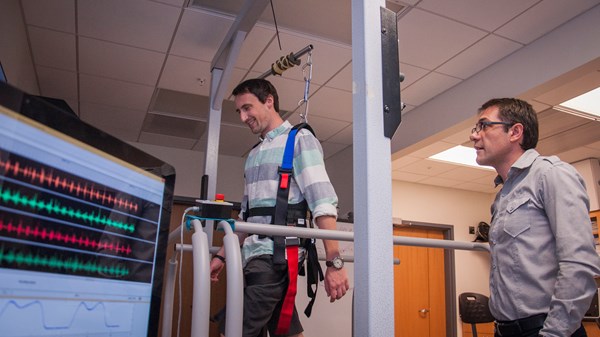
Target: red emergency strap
287,308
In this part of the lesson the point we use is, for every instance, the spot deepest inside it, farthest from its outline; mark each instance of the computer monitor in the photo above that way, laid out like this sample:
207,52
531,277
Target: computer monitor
83,226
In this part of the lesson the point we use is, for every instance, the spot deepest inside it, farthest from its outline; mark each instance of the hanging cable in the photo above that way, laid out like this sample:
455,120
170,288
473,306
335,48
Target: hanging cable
307,79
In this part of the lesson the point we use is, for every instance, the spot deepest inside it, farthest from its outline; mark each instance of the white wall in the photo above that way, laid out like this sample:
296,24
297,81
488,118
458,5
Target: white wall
189,168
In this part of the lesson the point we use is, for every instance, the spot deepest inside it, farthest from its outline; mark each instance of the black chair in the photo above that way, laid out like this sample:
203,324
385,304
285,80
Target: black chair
473,308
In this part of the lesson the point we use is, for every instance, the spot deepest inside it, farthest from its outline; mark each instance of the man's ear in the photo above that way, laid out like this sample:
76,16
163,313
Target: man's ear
516,132
269,101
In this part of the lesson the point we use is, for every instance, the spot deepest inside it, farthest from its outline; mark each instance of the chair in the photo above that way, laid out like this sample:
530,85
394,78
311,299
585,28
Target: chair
473,308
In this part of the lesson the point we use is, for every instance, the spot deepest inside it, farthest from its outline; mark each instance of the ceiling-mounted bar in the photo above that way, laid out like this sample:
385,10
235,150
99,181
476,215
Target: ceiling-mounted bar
285,62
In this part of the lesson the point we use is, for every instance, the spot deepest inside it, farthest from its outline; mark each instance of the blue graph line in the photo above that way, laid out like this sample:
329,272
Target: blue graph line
59,327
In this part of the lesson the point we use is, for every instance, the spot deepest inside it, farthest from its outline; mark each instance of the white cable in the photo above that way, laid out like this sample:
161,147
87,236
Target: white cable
179,293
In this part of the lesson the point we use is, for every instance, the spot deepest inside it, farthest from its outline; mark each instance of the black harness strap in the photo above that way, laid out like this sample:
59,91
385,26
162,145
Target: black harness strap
284,214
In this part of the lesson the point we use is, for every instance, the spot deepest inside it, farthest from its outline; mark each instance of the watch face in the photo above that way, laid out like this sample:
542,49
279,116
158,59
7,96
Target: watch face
338,263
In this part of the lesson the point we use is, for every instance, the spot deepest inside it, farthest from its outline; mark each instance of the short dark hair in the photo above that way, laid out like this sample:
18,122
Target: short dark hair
260,88
514,110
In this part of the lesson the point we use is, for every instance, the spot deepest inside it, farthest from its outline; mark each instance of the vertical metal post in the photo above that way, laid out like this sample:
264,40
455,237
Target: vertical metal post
211,158
374,275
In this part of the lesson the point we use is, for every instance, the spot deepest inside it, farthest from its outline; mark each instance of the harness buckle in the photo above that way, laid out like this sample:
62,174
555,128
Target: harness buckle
292,241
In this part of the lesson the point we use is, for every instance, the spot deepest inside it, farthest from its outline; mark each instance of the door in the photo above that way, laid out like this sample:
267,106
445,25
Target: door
419,305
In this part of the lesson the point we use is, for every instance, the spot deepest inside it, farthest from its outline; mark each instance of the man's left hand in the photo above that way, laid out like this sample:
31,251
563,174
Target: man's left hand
336,283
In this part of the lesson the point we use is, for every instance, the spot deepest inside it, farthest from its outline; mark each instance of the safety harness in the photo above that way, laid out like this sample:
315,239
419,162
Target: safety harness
285,249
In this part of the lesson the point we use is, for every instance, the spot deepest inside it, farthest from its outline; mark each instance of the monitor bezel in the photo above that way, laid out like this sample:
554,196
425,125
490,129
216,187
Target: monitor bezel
52,116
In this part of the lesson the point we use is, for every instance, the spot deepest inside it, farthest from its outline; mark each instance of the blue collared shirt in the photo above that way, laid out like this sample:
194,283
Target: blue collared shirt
542,248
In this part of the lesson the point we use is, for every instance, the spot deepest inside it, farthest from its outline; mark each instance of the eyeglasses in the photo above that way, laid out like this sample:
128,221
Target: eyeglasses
482,125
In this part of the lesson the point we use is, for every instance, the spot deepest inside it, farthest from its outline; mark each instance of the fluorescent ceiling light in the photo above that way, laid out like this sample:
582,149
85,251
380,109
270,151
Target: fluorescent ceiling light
586,105
460,155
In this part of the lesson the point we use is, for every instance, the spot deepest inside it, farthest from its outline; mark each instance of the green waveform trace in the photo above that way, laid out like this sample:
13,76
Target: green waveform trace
72,265
54,206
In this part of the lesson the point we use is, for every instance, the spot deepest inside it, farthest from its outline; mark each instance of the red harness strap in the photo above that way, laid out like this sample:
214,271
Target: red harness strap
287,309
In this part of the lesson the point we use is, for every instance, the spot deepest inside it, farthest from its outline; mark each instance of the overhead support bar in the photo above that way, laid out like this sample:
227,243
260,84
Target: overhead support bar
228,52
246,19
285,62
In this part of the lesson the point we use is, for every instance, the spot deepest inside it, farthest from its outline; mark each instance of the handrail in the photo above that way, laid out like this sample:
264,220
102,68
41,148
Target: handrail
235,295
327,234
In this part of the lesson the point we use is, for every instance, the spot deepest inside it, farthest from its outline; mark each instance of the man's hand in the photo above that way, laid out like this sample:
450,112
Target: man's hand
216,265
336,283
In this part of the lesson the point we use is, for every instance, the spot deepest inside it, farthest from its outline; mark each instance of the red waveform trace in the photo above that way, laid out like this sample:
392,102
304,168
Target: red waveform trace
42,176
57,236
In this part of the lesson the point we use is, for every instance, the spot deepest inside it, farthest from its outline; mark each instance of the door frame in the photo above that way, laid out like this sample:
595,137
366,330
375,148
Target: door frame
449,268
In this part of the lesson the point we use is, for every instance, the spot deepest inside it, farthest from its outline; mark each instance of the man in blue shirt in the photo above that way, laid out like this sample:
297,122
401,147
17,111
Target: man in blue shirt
543,260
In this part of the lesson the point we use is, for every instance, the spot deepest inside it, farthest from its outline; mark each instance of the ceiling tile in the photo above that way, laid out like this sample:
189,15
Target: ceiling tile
256,41
463,173
166,141
411,74
578,154
186,75
193,41
291,93
330,149
324,128
343,137
57,14
570,139
177,3
120,122
403,161
553,122
542,18
331,103
428,40
111,60
343,79
428,167
407,176
437,181
53,49
115,93
428,87
478,13
324,66
429,150
470,186
479,56
57,83
461,137
173,126
137,23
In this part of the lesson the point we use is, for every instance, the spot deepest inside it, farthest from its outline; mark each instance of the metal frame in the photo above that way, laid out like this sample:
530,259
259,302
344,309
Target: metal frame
235,283
371,153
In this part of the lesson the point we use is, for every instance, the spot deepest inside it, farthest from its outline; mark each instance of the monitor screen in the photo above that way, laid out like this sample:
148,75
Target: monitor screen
83,226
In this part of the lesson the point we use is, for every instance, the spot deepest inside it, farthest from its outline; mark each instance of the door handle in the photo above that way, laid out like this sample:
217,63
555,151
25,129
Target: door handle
423,312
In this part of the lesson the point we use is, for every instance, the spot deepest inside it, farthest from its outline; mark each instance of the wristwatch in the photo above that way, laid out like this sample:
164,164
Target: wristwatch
337,263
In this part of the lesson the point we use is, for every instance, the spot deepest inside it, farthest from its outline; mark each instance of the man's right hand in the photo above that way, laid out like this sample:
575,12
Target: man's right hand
216,266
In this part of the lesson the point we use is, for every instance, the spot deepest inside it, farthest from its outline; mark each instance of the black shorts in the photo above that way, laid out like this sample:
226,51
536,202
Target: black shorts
264,292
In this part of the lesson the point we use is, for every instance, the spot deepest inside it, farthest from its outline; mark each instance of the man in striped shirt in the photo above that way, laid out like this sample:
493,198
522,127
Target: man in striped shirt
257,103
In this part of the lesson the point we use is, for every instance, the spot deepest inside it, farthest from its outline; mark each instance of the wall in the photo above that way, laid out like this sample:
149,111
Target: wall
189,168
461,209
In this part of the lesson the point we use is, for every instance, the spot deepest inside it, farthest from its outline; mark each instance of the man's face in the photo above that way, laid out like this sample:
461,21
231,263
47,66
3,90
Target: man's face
492,142
254,113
